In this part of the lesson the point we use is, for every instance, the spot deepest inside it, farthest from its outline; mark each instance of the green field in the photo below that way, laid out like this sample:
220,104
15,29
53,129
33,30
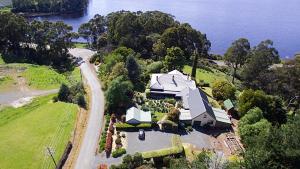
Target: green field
209,76
39,77
25,133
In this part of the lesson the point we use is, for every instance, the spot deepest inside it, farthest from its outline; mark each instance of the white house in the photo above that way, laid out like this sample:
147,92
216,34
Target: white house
196,109
136,116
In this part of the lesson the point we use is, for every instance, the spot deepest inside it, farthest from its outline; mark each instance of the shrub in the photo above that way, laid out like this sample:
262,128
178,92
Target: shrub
173,115
189,128
102,166
111,128
169,126
223,90
203,84
124,126
123,135
108,145
148,93
118,152
113,118
118,141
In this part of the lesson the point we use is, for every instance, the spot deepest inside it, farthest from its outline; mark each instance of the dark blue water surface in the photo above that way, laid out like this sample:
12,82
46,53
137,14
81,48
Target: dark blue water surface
222,20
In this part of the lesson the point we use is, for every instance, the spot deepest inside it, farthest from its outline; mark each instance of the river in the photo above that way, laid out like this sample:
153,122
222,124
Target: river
222,20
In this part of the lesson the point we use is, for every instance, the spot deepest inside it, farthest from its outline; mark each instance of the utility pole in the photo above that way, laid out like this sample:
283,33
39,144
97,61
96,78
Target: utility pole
50,153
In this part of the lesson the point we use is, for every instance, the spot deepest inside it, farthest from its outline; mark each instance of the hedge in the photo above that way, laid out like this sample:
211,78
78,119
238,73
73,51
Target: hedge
175,149
108,145
122,126
118,152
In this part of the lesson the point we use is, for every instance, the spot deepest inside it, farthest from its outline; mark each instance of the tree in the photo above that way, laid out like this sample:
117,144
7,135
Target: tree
223,90
250,132
93,29
173,115
250,99
252,116
186,38
236,55
119,95
276,113
174,59
134,70
159,49
260,59
64,93
13,30
118,70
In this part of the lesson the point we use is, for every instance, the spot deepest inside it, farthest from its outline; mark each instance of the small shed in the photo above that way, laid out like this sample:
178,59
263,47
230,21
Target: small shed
136,116
229,106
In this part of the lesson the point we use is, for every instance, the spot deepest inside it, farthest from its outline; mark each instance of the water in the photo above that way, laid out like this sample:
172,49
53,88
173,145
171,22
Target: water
222,20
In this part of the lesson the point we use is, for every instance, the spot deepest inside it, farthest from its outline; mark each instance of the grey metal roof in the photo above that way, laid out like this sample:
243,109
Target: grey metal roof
139,115
174,81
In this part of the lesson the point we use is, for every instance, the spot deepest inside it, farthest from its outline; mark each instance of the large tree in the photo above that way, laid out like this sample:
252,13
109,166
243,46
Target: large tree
260,59
236,55
186,38
174,59
119,95
92,30
134,70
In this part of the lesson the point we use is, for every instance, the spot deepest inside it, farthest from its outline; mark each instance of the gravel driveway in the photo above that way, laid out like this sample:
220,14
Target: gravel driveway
197,138
154,140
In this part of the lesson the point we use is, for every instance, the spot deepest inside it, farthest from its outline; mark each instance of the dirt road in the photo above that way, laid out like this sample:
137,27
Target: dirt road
89,145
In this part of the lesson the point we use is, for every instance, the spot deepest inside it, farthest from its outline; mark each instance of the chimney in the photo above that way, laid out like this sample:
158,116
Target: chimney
157,78
173,77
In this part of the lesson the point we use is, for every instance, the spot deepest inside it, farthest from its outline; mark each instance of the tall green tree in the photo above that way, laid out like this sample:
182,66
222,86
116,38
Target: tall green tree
236,55
260,59
119,95
174,59
134,70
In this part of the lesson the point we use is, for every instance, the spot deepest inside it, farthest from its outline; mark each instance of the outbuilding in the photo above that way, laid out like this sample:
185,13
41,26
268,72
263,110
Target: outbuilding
136,116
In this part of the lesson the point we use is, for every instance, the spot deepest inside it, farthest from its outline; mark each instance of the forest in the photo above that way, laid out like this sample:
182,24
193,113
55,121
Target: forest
49,6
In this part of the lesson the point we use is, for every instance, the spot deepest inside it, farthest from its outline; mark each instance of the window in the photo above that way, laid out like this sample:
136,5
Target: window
204,116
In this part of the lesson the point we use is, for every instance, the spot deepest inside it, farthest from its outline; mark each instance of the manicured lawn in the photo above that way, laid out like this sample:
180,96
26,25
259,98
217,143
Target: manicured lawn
206,75
26,132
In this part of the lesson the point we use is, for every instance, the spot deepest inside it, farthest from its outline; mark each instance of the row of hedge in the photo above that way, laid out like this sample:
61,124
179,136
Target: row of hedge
176,148
104,134
118,152
125,126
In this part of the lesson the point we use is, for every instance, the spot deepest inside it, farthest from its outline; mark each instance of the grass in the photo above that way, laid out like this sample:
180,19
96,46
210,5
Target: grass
175,149
25,132
159,115
1,60
6,82
42,77
211,100
189,152
209,76
5,9
81,45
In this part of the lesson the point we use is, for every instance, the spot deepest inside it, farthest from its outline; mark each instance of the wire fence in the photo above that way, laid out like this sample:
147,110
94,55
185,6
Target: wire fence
54,142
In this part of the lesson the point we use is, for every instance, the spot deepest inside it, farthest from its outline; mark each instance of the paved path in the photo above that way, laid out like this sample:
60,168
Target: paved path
89,145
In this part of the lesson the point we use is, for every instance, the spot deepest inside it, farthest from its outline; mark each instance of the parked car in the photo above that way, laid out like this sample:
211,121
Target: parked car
141,134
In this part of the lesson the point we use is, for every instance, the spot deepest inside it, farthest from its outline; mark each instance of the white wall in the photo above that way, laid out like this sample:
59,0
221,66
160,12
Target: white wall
204,120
